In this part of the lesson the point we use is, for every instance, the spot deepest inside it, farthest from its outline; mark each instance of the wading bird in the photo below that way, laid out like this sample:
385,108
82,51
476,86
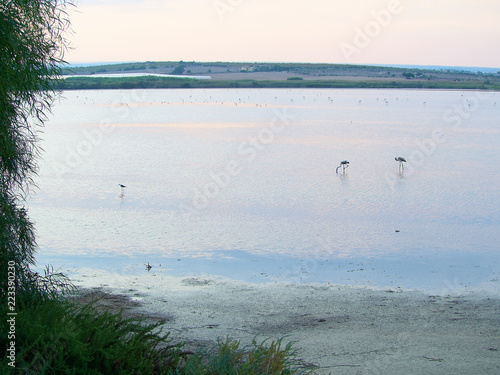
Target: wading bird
122,187
401,161
344,164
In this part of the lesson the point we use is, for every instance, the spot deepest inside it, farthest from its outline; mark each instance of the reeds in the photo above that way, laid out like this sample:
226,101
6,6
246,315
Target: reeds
228,358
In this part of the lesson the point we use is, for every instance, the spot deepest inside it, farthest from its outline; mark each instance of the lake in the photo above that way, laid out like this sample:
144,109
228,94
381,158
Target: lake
243,184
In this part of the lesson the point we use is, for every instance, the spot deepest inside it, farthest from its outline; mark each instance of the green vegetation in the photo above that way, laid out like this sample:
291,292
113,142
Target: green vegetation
154,82
31,47
94,83
179,69
228,358
60,337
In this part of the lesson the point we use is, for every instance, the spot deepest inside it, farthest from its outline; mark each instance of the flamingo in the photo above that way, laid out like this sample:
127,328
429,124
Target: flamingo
401,161
344,164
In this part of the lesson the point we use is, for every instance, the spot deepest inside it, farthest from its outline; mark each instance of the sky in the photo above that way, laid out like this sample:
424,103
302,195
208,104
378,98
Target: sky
413,32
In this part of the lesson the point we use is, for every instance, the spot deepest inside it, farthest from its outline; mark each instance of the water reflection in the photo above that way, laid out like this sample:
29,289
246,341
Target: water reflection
344,179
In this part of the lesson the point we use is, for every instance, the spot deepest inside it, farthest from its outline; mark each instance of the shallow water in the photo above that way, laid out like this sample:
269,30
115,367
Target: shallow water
242,183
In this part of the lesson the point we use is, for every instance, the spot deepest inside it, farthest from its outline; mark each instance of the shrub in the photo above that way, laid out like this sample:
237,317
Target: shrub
58,336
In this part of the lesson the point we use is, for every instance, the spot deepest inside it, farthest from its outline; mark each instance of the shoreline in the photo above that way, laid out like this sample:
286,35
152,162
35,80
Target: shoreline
343,329
156,82
443,274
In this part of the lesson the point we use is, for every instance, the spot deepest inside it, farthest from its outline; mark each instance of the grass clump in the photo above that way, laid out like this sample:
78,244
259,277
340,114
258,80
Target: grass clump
227,358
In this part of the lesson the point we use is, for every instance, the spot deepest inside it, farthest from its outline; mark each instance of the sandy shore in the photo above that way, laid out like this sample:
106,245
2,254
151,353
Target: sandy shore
344,330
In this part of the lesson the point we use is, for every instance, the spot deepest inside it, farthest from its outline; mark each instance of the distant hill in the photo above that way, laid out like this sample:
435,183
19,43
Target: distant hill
470,69
285,75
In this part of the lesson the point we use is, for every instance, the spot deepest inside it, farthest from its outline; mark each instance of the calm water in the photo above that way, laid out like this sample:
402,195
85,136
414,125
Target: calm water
242,183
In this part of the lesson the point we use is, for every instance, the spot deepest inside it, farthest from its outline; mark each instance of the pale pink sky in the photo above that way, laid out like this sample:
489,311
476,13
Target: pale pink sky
425,32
